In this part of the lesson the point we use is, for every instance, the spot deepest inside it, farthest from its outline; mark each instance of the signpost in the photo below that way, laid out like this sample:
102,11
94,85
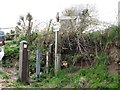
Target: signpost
56,26
119,13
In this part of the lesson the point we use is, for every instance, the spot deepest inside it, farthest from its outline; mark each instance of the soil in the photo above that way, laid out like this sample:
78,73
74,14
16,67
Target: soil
113,68
113,57
11,72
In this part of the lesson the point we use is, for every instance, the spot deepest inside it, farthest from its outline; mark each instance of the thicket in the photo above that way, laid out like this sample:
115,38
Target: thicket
91,44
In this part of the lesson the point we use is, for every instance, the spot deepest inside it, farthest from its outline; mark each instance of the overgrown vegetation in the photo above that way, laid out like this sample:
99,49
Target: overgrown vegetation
95,77
78,49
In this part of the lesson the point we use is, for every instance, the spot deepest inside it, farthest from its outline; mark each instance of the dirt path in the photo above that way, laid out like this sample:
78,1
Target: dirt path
11,73
1,80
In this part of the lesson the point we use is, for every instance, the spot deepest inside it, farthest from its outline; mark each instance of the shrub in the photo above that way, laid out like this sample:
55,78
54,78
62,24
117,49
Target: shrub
11,53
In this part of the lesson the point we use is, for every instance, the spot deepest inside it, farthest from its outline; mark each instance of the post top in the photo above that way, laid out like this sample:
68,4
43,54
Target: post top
23,41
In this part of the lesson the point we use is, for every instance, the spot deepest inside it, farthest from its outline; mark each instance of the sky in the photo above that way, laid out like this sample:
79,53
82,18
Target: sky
42,10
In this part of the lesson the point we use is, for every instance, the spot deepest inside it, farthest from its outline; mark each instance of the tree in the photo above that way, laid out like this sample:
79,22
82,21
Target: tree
24,28
24,25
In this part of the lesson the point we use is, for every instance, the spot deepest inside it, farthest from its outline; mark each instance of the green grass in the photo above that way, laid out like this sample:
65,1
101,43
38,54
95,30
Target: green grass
3,75
71,69
94,77
18,84
60,80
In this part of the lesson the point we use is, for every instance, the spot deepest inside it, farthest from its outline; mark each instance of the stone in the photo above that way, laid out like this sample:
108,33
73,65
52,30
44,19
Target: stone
23,62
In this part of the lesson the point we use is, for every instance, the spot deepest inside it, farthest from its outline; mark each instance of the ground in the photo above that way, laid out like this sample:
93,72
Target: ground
113,68
12,74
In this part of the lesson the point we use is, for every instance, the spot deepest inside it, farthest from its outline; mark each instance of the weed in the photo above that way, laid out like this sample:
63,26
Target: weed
71,69
3,75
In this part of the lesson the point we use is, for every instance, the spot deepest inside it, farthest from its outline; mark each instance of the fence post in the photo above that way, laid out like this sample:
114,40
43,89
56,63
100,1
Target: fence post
23,62
51,54
37,64
47,62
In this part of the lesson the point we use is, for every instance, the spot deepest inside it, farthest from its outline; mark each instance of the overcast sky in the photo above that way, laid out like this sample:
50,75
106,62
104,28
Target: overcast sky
10,10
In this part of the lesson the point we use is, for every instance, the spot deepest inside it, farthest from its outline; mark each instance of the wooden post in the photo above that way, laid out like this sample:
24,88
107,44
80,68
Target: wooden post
50,54
23,62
